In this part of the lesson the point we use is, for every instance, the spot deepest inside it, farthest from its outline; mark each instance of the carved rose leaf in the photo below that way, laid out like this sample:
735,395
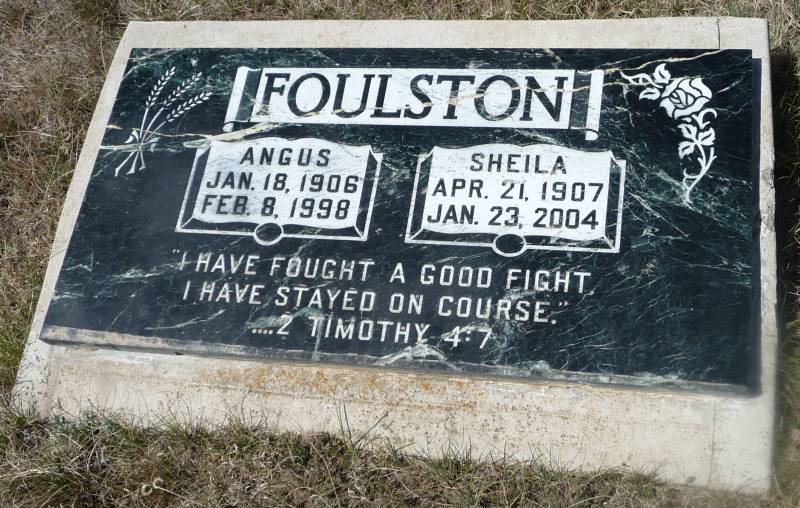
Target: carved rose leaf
650,93
685,148
688,130
661,74
700,117
639,79
707,137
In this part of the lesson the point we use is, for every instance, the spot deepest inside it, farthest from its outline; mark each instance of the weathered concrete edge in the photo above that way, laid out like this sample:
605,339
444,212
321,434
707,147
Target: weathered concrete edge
127,342
708,440
676,33
731,428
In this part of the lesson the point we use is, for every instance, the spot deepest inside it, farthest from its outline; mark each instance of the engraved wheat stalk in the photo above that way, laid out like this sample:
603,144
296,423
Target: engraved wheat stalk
174,96
153,97
185,106
136,134
160,84
151,100
146,134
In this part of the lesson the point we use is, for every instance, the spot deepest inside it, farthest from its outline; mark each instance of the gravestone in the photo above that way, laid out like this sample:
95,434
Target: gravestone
523,238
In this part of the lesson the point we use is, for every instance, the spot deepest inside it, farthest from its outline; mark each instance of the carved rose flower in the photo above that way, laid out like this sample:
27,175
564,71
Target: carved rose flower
683,99
684,96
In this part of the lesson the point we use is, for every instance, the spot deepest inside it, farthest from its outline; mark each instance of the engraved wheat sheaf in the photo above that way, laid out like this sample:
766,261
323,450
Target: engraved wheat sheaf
685,100
164,111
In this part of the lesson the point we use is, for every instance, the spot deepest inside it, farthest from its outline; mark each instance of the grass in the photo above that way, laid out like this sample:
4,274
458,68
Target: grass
103,462
53,59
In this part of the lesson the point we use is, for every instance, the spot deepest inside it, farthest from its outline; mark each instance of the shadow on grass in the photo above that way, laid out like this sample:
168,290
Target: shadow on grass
786,110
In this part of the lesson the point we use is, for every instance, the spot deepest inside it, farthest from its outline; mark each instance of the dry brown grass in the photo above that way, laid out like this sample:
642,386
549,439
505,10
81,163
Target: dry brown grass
53,57
102,462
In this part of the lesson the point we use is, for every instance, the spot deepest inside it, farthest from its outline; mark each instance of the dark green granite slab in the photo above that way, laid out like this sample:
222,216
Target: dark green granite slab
654,279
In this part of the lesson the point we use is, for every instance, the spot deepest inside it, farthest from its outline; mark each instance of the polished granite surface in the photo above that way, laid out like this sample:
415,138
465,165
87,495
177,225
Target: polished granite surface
651,277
